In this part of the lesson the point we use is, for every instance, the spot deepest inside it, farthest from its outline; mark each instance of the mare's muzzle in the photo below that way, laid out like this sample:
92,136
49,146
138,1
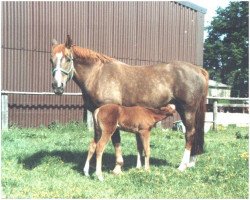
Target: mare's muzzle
58,90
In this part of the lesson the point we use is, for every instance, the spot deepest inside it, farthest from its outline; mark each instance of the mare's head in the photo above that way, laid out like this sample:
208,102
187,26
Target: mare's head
62,65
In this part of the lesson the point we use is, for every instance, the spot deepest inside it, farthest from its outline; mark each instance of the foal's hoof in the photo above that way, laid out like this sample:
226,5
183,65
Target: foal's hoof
86,174
147,169
86,171
100,178
117,170
138,166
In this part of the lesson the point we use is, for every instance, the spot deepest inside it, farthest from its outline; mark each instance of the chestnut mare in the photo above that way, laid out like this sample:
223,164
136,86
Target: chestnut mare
104,80
136,119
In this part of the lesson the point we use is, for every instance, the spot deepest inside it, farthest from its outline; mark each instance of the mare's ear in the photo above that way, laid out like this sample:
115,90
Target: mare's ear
68,42
54,42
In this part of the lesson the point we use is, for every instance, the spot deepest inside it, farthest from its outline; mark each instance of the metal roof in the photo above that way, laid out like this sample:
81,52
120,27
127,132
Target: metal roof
216,84
193,6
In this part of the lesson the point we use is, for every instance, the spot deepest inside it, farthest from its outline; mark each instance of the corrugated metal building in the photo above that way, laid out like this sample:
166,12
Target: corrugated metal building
138,33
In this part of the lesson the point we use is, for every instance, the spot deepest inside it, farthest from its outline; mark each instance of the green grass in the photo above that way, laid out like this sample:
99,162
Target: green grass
47,163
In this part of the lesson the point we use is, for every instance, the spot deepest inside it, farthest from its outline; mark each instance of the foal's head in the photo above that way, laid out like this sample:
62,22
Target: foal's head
169,109
62,65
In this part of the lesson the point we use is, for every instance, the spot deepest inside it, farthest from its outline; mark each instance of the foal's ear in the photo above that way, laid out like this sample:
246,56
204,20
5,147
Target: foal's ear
54,42
68,42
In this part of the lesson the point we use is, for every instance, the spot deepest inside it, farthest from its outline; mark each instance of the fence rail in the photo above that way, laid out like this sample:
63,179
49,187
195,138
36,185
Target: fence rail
228,98
37,93
244,104
4,105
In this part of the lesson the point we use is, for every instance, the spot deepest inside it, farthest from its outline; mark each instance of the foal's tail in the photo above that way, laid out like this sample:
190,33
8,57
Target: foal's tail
197,147
97,131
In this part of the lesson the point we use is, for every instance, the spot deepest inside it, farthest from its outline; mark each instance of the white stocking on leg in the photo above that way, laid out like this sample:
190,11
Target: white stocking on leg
192,161
185,160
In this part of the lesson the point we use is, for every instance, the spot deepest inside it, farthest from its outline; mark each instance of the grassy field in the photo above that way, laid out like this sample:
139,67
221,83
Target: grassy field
48,162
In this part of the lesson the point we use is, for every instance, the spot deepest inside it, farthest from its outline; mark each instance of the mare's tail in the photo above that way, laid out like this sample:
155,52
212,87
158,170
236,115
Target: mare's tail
198,144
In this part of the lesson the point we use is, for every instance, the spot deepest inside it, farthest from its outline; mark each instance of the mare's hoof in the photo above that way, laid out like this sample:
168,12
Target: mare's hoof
182,167
191,164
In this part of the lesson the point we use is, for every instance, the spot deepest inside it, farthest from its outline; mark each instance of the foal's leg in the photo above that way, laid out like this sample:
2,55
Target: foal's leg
91,151
116,140
145,137
99,151
92,147
189,120
140,150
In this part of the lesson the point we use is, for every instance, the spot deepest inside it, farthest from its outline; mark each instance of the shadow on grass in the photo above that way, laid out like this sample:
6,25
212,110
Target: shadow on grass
78,159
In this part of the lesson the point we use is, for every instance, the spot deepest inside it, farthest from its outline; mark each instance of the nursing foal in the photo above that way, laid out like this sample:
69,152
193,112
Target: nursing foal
136,119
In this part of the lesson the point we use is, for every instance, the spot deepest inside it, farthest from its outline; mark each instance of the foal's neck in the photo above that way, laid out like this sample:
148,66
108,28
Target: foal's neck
158,114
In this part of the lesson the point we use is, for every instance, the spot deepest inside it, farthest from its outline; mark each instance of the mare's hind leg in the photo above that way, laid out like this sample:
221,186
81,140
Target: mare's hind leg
188,119
116,140
139,151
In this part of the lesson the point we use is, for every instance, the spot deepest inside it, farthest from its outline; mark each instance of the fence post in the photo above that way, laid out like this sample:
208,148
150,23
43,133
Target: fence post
4,112
90,122
215,112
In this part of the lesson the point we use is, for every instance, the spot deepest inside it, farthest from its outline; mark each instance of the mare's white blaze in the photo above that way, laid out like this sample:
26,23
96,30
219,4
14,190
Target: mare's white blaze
58,74
185,160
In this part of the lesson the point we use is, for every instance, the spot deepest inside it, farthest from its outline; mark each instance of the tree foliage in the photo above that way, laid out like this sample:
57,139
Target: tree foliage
226,48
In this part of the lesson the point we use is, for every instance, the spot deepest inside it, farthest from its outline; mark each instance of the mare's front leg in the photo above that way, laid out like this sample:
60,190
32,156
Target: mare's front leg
189,120
116,140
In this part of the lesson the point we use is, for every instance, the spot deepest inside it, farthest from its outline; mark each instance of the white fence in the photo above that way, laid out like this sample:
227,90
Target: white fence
212,118
215,117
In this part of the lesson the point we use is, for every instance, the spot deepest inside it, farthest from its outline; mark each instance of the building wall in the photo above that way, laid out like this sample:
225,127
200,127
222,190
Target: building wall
219,92
138,33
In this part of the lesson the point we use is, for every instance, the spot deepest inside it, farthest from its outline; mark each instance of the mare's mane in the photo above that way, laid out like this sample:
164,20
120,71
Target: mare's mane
83,55
90,56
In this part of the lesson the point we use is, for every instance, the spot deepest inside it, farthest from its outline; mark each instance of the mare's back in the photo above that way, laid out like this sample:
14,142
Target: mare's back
150,86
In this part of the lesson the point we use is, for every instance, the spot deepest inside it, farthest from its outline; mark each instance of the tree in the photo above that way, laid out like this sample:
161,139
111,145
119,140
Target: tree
226,48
